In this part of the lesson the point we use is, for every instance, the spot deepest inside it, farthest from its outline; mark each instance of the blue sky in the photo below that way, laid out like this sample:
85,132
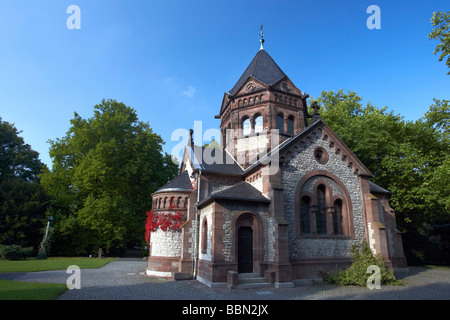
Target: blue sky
173,60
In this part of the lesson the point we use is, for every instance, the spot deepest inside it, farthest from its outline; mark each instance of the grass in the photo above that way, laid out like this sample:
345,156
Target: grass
16,290
52,263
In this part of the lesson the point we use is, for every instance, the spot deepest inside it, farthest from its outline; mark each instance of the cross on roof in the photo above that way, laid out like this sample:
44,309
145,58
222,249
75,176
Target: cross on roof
316,108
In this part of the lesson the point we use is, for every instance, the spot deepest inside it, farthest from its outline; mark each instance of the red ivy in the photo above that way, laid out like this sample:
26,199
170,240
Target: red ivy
168,220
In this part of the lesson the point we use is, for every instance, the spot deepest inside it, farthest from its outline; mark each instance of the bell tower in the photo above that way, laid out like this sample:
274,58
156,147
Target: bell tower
262,103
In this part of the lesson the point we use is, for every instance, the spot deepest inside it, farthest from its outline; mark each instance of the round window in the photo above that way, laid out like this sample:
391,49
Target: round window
321,155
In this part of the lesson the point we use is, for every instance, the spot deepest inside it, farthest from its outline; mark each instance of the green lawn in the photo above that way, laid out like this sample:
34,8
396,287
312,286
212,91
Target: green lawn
16,290
33,265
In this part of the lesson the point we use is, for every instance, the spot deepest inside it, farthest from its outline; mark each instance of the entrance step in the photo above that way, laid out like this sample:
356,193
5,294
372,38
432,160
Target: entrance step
252,281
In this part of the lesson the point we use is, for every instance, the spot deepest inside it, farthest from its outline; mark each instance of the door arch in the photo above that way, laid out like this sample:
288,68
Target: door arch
248,243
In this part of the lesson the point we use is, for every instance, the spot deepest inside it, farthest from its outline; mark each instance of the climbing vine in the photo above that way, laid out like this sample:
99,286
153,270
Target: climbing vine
170,219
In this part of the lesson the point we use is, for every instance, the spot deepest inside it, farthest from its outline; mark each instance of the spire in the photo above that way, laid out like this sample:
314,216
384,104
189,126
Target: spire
262,38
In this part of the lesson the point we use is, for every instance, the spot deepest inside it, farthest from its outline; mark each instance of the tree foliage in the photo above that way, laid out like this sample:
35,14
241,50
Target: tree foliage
23,201
18,160
409,158
104,171
441,21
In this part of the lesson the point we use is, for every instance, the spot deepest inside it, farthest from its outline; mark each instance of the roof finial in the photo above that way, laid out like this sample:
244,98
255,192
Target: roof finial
262,38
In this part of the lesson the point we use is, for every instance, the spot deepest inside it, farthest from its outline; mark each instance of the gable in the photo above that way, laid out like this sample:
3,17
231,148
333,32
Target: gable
250,85
321,135
287,86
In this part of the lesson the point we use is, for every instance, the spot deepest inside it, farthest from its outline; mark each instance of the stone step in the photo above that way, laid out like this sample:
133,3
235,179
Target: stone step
248,275
259,285
252,281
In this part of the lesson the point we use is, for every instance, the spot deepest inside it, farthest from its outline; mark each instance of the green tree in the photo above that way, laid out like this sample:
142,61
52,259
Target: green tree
441,21
104,171
18,160
23,201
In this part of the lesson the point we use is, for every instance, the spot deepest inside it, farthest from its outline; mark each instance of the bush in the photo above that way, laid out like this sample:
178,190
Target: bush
15,252
357,274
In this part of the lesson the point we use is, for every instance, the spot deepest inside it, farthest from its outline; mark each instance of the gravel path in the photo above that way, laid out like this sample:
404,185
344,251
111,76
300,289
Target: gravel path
124,279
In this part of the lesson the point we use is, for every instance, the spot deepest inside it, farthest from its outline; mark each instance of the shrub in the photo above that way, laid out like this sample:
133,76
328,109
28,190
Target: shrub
15,252
357,274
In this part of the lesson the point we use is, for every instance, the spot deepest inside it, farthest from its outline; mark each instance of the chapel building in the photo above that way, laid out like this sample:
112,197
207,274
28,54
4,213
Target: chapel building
282,200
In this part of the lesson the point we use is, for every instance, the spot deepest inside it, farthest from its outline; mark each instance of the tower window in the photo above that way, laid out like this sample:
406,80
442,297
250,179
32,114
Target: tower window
259,124
290,125
280,123
246,127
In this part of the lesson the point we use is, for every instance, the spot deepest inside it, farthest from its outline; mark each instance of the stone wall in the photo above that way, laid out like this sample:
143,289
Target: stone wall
292,171
165,243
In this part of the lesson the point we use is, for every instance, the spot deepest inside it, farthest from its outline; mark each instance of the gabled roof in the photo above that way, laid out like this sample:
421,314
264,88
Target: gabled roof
180,183
262,68
215,160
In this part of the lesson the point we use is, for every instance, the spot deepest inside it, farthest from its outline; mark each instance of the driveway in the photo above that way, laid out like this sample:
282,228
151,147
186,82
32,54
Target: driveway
124,279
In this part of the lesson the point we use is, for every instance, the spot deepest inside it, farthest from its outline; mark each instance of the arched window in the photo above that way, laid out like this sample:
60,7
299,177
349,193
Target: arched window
290,125
280,123
323,207
246,127
321,215
205,236
305,225
337,217
259,124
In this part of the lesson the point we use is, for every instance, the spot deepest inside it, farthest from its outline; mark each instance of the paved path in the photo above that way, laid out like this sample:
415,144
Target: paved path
124,280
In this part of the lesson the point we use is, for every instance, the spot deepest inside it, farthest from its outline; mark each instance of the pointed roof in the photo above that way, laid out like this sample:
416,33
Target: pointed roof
262,68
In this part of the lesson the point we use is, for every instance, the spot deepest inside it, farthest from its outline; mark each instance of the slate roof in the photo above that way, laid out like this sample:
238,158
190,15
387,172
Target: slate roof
262,68
241,191
376,188
180,183
216,161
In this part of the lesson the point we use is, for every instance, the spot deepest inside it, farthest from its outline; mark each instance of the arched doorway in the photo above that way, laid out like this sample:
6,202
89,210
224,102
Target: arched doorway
248,249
